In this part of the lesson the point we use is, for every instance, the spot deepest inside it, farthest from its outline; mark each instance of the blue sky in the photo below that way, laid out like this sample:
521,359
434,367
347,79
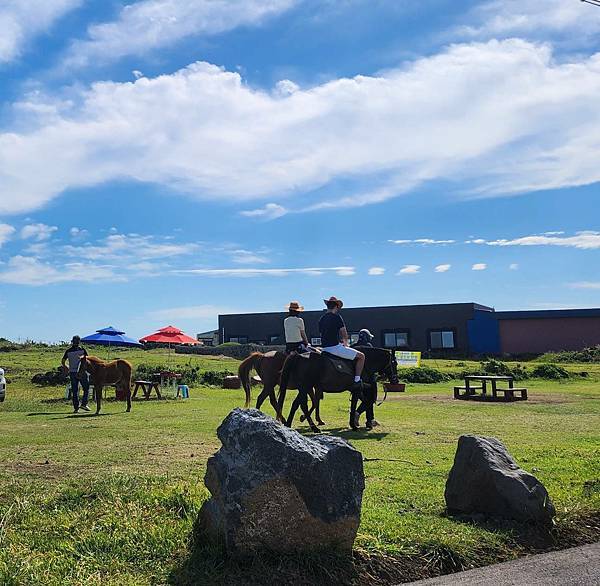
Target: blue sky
163,161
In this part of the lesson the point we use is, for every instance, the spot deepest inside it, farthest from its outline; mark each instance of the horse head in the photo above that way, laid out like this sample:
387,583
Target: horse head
391,369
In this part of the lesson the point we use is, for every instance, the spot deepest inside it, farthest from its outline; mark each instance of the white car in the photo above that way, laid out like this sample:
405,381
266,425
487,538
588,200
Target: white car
2,386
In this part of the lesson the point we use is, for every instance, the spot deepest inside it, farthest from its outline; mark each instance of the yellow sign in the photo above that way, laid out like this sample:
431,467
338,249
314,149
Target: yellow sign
408,359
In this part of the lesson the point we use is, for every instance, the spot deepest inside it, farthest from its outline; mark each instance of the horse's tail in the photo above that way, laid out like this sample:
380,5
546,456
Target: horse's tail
244,373
286,372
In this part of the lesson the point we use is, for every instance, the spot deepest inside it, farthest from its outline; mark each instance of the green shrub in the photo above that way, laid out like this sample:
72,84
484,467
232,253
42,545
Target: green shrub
496,367
214,377
190,375
228,344
550,371
424,375
591,354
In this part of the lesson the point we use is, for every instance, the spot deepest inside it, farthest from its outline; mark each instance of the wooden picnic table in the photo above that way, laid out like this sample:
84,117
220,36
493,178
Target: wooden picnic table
470,389
146,386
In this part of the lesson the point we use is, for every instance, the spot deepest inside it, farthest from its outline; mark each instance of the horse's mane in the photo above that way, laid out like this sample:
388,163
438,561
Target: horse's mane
96,360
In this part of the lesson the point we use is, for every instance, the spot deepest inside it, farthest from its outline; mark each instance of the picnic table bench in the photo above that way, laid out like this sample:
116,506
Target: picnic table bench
469,390
146,386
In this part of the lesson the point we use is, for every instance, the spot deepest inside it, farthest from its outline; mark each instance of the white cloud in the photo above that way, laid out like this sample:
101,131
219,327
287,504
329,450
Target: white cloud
586,285
586,240
442,268
425,241
78,233
246,257
23,270
6,232
37,232
534,19
513,266
153,24
190,312
409,270
339,271
21,20
271,211
130,246
480,266
376,271
531,123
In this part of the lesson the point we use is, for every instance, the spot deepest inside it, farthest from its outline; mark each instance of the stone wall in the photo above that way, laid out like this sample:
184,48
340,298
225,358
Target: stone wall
239,352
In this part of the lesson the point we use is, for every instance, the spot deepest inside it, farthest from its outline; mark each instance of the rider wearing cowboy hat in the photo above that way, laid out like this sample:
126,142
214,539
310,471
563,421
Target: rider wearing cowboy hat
295,333
334,337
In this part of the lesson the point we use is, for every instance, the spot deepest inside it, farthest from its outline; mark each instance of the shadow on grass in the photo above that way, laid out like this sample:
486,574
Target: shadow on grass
45,413
537,538
362,433
209,564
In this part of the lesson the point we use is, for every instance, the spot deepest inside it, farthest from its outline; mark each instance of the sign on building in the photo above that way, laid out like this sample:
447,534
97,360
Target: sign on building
408,359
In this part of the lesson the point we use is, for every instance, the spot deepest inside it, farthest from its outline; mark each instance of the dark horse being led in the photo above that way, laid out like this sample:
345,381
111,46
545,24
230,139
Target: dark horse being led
320,373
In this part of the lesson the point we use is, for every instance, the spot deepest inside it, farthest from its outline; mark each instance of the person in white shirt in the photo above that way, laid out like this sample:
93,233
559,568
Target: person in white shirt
295,333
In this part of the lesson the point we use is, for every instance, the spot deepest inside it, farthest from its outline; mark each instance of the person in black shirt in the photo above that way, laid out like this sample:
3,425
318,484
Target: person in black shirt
334,338
365,340
73,356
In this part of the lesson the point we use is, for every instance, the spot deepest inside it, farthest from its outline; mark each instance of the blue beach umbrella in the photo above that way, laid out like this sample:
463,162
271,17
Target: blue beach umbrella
111,337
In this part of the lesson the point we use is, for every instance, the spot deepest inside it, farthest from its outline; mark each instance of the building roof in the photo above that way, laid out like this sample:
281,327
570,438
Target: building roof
348,308
208,334
548,313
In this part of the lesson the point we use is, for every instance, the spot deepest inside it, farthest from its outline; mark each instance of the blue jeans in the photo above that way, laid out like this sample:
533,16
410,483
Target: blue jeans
85,384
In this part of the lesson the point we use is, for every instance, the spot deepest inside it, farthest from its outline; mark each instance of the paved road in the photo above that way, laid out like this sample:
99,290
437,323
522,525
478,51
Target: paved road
579,566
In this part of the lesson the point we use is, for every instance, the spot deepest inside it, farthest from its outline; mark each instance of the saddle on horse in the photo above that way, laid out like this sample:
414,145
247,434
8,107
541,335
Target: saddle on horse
340,366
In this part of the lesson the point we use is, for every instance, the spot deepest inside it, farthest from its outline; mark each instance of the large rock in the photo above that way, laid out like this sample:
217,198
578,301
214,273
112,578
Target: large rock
485,479
274,489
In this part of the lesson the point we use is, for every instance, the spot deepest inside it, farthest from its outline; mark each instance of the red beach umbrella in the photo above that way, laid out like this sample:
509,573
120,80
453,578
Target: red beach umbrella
169,335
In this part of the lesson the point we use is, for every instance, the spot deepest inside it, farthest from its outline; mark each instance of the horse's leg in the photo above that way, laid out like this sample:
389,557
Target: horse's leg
261,398
313,399
353,414
274,404
128,395
318,399
98,392
304,405
293,409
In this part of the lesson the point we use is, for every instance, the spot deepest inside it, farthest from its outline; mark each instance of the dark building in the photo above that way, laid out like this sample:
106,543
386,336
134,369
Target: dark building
445,329
448,328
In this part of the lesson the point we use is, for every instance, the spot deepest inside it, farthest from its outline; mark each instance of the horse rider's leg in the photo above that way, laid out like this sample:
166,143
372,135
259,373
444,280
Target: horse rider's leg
98,393
360,364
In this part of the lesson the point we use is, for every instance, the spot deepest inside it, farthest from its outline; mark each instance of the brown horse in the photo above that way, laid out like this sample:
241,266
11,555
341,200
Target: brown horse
116,372
268,367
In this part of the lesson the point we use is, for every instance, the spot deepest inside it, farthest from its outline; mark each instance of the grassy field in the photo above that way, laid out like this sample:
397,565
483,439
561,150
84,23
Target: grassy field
112,499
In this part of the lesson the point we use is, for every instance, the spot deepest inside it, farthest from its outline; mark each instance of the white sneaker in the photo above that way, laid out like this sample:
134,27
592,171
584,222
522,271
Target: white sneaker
85,408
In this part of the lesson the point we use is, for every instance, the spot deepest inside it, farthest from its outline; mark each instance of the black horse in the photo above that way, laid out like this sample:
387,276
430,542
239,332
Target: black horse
316,373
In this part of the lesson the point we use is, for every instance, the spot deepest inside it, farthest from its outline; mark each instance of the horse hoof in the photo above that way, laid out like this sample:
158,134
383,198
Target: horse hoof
320,422
315,429
302,418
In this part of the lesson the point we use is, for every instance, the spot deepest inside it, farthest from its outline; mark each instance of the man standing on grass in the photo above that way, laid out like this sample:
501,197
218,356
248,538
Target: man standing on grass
73,355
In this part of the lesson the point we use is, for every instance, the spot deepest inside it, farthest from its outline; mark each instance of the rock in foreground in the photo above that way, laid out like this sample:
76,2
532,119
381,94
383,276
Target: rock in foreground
485,479
274,489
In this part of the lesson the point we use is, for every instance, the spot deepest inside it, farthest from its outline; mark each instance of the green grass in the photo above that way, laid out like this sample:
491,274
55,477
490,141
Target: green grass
113,499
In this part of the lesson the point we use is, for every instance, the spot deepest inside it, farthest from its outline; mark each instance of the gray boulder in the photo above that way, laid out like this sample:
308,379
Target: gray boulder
274,489
485,479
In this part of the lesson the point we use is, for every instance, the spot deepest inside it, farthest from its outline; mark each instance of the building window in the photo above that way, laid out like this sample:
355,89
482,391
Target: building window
273,339
441,340
239,339
395,339
353,339
315,341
